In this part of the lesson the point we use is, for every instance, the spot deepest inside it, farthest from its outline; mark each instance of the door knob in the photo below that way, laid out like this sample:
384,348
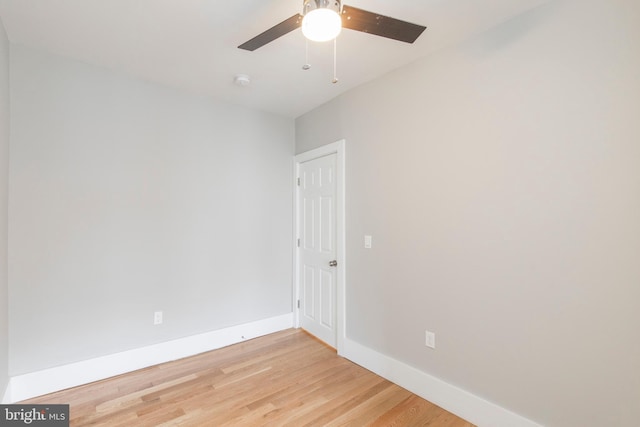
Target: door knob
333,263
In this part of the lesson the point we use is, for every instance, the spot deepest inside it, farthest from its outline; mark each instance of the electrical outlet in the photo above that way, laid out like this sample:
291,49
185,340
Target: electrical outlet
430,339
157,318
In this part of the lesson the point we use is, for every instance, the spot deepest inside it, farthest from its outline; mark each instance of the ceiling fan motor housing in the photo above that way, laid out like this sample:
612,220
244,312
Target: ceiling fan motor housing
309,5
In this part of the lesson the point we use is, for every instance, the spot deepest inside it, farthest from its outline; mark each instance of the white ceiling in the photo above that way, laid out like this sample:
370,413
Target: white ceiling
192,44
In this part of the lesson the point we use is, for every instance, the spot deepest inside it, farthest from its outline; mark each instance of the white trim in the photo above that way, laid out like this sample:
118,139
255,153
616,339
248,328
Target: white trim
337,148
6,398
54,379
454,399
295,294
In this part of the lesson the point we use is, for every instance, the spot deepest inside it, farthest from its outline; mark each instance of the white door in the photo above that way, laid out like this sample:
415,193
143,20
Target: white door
317,247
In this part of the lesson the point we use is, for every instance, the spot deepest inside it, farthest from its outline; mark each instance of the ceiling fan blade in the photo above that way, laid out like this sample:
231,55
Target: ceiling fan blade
380,25
273,33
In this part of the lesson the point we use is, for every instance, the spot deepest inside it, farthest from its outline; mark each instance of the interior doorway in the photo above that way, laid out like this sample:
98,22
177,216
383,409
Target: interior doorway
319,243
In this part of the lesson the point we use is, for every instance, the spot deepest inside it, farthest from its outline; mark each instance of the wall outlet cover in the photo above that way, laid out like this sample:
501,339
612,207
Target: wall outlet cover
157,318
430,339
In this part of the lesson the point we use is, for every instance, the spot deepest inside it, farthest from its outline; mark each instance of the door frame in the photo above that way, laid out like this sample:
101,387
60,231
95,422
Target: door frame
337,148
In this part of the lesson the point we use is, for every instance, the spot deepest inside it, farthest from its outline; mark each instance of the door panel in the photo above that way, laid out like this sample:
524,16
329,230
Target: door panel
326,227
308,292
308,222
326,298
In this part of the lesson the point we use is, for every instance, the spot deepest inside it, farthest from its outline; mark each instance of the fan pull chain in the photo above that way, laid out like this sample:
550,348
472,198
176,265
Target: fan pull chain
335,56
306,65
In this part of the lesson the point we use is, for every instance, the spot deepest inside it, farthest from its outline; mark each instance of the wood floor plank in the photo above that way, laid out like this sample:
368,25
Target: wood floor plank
284,379
411,411
370,409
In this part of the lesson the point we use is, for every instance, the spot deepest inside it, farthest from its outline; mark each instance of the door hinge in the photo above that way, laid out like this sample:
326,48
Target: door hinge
298,303
298,181
298,242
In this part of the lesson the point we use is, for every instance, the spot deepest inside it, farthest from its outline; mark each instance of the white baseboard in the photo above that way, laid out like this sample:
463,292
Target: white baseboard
6,397
454,399
34,384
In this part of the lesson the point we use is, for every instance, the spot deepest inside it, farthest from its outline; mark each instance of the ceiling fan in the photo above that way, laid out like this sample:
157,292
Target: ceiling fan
322,20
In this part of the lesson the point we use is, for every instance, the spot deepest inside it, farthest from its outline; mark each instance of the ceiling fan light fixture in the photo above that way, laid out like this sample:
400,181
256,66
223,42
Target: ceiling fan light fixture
350,17
322,21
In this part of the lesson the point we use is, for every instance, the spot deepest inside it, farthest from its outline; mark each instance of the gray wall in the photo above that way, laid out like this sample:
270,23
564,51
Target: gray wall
500,182
4,191
126,198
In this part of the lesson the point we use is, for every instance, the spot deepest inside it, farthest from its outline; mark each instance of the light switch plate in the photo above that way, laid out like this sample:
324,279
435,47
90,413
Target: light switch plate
367,242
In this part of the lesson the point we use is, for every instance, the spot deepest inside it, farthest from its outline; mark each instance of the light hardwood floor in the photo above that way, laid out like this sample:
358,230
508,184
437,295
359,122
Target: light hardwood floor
284,379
